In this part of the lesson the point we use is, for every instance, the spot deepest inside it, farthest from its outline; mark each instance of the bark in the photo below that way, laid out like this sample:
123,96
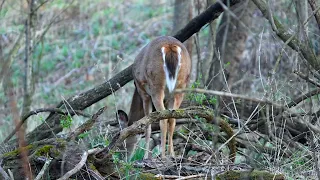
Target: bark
29,78
209,49
65,155
230,45
302,16
314,6
183,12
251,175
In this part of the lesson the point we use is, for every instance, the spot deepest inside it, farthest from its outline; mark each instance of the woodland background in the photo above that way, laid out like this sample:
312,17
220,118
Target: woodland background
262,57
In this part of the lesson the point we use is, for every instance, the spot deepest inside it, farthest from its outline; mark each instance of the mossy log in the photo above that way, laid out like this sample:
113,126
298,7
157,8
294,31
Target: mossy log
235,175
64,155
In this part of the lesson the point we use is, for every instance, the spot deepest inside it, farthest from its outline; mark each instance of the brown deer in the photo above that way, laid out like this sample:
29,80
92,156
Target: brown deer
160,67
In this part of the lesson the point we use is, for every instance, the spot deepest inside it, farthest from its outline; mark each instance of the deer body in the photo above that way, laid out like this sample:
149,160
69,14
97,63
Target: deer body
161,66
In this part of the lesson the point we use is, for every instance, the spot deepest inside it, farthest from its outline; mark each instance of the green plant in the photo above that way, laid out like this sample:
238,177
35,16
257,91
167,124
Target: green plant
41,118
199,98
226,64
127,167
213,100
139,153
106,142
83,135
66,122
96,141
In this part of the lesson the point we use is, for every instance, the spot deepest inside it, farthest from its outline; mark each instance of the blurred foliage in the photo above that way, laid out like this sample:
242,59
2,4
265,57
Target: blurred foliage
87,43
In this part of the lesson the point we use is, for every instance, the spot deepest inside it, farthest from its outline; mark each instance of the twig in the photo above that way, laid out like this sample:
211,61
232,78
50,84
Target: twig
194,144
2,4
202,19
95,174
23,153
285,35
10,174
76,168
303,97
305,77
224,94
34,112
179,177
199,66
270,14
4,174
315,10
87,125
192,176
41,4
8,61
161,176
44,168
61,79
227,8
93,151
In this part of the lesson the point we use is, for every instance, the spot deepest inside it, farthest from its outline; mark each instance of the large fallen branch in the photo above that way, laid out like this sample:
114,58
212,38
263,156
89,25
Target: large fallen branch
189,170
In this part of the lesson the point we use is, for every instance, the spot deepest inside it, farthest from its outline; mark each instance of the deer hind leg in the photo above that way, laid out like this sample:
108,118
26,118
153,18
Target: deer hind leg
173,104
135,114
157,100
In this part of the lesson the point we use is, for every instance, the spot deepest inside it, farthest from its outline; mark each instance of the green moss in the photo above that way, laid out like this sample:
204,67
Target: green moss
43,150
147,176
55,152
62,143
92,167
250,175
16,152
179,111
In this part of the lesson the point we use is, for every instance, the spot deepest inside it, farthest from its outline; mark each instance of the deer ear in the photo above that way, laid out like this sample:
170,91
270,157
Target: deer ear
122,117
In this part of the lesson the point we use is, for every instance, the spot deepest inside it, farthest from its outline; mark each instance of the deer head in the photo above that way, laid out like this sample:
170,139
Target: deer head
160,67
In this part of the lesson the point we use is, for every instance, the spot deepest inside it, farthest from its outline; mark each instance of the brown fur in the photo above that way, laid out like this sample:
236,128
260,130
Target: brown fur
151,86
136,112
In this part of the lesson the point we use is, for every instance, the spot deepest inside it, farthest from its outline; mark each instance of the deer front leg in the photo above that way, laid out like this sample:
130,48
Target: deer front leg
147,106
157,100
163,129
174,104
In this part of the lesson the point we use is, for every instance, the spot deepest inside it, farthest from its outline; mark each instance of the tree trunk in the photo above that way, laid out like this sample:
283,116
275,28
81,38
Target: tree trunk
231,39
183,13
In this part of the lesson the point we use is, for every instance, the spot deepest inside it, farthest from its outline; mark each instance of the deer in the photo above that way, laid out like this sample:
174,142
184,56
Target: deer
160,67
